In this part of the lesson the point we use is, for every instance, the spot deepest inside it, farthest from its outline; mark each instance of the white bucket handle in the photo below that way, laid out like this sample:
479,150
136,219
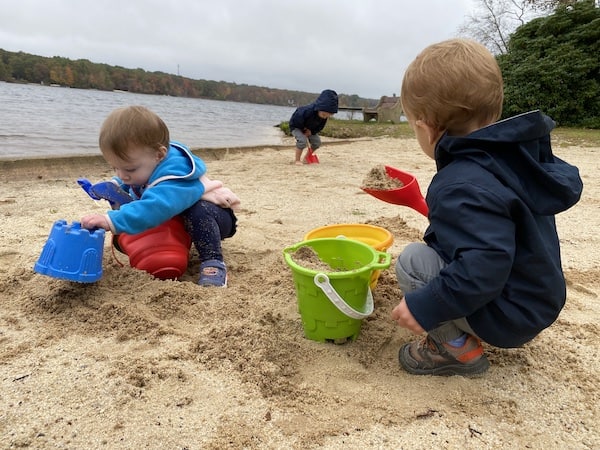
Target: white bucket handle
322,281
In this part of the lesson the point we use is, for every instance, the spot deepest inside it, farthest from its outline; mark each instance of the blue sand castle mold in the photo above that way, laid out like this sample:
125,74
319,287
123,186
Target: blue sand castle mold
72,253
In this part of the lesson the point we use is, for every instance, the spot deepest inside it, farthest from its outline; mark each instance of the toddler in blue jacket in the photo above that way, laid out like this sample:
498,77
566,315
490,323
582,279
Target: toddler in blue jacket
490,267
164,179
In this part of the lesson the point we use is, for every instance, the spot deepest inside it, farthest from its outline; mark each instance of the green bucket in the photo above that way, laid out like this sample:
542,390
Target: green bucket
332,304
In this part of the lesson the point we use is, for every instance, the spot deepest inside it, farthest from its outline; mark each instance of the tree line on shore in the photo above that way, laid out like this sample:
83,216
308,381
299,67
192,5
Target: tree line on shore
84,74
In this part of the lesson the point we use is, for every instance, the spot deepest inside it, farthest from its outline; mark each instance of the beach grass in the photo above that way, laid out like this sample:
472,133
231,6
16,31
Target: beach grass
352,129
582,137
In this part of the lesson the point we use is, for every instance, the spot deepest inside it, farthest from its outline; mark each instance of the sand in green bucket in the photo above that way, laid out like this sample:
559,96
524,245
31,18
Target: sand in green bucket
334,299
377,237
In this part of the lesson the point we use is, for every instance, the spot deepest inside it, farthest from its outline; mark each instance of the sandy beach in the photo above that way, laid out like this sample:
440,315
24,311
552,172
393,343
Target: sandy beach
134,362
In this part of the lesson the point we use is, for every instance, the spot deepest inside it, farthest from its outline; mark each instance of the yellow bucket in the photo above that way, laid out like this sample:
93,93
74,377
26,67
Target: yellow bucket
377,237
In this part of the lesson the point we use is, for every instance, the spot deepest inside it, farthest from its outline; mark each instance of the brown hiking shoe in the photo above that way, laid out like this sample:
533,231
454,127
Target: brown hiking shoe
428,357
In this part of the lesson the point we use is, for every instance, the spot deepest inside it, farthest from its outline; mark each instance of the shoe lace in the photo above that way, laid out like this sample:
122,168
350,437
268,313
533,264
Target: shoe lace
430,344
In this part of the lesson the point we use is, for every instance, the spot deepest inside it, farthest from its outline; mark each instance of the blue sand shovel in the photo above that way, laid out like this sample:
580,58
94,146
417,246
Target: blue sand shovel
105,190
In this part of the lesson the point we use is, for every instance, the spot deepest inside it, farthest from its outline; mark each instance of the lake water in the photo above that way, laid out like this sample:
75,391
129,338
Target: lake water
39,121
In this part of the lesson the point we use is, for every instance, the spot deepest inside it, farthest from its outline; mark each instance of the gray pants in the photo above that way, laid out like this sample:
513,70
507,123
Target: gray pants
416,266
315,139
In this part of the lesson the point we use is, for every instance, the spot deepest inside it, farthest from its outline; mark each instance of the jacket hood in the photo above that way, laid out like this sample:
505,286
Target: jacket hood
180,164
327,101
519,154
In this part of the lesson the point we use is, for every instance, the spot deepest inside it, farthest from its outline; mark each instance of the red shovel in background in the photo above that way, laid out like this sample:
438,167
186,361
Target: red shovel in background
311,157
409,194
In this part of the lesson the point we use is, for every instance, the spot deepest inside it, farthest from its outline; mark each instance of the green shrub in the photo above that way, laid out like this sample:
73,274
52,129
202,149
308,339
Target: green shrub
552,65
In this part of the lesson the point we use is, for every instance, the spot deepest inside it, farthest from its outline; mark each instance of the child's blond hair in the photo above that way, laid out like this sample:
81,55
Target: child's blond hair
453,85
132,126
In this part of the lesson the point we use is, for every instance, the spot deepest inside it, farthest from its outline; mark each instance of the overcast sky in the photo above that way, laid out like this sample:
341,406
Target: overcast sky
352,46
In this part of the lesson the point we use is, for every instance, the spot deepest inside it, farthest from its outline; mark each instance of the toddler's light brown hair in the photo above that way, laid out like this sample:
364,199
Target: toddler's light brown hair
453,85
132,126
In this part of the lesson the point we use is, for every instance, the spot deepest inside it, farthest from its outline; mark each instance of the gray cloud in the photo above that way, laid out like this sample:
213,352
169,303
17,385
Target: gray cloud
353,46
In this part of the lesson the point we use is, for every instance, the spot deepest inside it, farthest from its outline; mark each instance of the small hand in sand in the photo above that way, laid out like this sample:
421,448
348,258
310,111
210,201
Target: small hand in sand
91,221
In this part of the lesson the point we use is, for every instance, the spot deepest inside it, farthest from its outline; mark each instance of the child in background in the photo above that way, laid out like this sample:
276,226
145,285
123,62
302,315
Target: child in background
307,122
490,267
164,179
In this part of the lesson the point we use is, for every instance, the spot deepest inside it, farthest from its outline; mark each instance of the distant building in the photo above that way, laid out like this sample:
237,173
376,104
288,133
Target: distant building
389,109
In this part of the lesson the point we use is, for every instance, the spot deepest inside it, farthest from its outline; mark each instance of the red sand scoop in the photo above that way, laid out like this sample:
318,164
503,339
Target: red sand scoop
311,157
407,195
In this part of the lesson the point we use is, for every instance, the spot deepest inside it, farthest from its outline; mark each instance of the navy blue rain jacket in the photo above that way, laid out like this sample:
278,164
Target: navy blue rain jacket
307,117
491,210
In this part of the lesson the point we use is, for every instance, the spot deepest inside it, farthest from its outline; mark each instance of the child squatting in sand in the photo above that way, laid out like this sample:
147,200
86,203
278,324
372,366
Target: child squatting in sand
490,267
164,179
308,121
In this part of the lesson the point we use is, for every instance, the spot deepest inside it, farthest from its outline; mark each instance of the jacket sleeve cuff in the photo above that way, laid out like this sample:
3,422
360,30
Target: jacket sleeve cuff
111,225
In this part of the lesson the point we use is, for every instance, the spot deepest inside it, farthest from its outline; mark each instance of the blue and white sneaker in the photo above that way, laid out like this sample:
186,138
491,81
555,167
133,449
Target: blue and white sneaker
213,273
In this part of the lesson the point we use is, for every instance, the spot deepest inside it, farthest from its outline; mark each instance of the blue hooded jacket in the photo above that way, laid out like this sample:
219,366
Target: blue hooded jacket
491,211
307,117
173,187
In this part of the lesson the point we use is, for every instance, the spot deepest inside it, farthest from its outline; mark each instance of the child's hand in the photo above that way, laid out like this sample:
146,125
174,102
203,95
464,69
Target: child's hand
216,193
209,184
405,319
222,197
91,221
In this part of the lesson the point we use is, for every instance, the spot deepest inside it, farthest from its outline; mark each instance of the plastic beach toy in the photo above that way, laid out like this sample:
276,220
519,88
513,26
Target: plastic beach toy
311,156
72,253
407,195
162,251
333,303
105,190
377,237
